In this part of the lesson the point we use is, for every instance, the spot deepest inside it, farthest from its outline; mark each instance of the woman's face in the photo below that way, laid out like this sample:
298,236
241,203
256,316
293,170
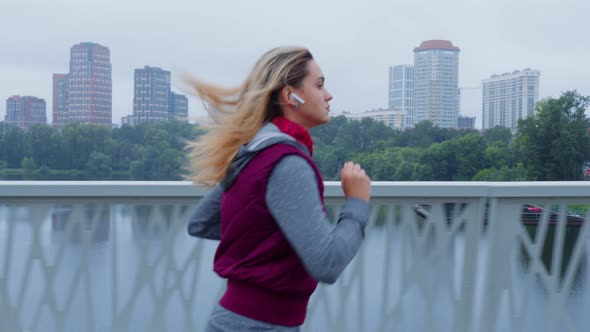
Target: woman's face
315,110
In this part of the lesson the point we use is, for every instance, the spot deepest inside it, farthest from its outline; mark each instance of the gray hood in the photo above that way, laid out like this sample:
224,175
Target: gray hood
268,135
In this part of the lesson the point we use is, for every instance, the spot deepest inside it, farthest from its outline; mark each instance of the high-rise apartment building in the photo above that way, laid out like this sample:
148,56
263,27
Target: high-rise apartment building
401,91
508,97
466,122
436,83
90,85
178,107
60,112
25,111
151,98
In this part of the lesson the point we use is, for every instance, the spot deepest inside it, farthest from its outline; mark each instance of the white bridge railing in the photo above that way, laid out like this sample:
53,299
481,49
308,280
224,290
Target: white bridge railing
460,256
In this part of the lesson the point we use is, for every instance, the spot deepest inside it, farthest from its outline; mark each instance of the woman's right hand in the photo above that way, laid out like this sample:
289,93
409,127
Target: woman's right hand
355,182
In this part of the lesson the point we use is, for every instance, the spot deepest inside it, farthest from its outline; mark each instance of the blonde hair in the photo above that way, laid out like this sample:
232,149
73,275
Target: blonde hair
239,112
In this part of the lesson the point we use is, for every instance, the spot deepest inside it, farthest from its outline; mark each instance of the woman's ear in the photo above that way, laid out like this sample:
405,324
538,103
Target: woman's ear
286,97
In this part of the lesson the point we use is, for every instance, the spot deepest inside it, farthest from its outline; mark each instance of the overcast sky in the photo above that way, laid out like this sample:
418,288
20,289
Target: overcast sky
354,42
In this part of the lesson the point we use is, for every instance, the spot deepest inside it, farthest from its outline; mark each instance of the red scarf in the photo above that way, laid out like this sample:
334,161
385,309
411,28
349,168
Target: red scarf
295,130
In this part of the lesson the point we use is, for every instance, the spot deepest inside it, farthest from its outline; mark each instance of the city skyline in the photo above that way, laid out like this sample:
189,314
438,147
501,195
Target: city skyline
153,98
354,43
84,94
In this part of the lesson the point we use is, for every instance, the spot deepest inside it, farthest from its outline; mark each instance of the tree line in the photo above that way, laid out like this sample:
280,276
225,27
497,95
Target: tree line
551,145
150,151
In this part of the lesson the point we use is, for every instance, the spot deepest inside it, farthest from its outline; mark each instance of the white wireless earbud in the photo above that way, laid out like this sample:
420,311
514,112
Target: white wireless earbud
298,99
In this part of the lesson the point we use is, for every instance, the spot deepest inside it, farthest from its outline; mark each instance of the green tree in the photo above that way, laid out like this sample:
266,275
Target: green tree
325,134
29,168
43,172
422,135
43,145
458,159
425,133
80,140
505,173
99,166
498,154
137,170
468,151
329,159
423,173
554,142
3,165
498,134
12,147
362,136
160,160
404,172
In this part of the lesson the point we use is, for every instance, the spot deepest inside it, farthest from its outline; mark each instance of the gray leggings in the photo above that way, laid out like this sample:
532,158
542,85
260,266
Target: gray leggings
223,320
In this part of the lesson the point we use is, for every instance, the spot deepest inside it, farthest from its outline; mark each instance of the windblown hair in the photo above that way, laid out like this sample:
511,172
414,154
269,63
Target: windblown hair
239,112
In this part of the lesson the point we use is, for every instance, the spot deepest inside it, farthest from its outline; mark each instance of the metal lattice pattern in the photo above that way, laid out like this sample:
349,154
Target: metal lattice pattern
420,276
439,264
